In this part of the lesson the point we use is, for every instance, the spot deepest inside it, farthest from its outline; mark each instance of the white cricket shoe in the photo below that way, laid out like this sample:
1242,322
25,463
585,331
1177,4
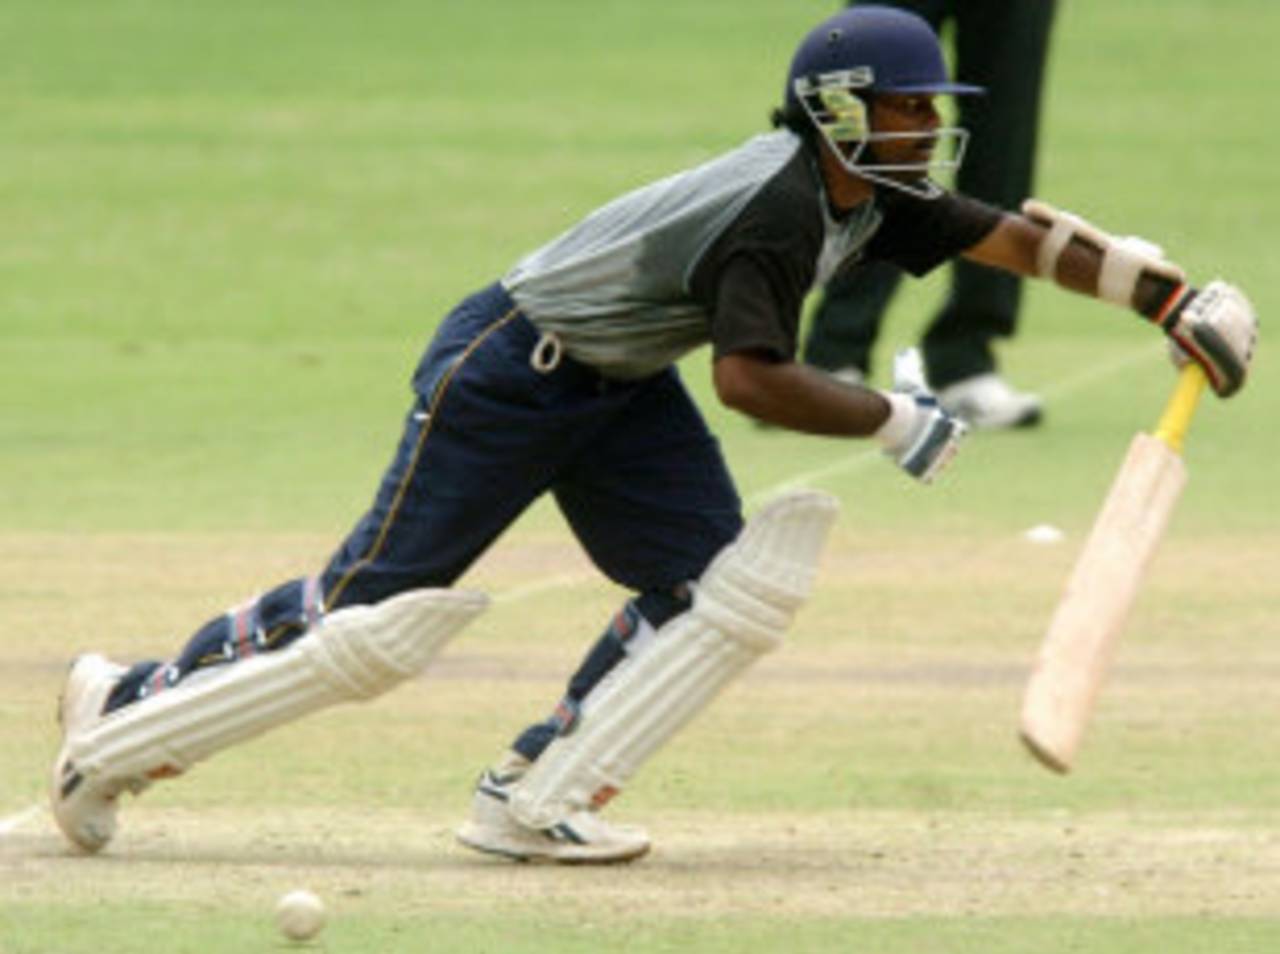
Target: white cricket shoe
583,838
85,807
986,401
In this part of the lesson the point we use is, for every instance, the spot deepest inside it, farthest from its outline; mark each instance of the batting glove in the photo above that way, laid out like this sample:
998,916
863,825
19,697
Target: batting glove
919,436
1216,328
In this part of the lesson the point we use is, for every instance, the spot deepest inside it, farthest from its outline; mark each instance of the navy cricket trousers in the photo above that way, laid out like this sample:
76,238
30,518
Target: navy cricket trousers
631,464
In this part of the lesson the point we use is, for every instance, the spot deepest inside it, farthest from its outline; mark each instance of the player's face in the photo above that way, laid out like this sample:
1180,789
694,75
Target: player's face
912,116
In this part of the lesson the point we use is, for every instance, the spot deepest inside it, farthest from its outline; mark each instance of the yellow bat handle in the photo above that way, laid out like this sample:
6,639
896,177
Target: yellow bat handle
1172,428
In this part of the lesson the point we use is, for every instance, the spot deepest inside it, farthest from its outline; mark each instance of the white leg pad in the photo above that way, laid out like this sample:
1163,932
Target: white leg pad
742,606
353,653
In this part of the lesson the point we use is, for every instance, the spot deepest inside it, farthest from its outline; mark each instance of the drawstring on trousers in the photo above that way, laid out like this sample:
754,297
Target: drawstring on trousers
547,353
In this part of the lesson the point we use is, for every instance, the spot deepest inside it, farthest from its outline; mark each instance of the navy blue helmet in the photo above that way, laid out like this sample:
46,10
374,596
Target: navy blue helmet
860,52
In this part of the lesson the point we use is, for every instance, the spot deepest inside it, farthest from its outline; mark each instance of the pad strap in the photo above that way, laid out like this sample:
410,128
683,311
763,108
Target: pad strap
1053,244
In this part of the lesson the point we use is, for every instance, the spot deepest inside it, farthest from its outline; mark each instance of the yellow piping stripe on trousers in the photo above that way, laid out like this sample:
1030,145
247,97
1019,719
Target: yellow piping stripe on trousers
436,397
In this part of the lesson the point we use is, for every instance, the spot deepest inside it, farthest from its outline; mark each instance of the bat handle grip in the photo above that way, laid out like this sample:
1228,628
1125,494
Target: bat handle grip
1173,424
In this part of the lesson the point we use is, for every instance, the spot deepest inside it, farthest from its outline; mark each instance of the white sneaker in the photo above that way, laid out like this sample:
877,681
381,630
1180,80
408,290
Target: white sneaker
850,375
85,807
986,401
582,838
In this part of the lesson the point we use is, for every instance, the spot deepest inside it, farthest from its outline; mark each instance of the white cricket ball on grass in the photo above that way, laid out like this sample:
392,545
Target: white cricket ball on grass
1044,533
299,915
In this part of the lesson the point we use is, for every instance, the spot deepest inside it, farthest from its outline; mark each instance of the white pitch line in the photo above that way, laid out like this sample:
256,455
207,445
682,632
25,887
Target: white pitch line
846,464
1121,362
15,821
537,587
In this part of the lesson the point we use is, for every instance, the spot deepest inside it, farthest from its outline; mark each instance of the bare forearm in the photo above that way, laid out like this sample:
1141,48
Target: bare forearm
1215,326
1015,243
1018,244
798,397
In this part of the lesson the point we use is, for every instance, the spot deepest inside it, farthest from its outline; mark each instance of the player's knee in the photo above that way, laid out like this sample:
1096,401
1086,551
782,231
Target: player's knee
362,651
656,607
753,588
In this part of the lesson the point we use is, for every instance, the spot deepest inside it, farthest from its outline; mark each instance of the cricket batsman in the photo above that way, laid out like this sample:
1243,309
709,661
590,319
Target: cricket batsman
560,378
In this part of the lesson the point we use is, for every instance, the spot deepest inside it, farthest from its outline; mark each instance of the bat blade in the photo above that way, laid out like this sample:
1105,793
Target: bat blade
1095,604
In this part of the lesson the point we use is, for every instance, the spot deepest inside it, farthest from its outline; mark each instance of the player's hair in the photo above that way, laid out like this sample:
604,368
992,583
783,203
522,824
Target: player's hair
794,118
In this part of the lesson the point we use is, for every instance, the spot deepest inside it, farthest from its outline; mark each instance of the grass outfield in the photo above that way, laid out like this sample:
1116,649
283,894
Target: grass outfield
229,228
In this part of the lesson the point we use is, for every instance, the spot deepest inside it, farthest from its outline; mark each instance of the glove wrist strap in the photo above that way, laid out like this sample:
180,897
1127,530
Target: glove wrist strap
898,425
1166,316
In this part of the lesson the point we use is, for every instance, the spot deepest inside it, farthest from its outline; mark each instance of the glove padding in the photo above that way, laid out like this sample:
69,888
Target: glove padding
1217,329
919,436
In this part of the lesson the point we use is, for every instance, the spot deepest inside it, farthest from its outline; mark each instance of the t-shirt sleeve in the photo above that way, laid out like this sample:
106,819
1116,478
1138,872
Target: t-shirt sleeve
753,280
756,309
919,234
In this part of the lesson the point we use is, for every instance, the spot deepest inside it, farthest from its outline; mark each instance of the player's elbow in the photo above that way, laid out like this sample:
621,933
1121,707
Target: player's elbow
737,382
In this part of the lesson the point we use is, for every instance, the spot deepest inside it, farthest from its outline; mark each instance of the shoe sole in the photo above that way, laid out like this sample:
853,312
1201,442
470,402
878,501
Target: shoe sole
538,858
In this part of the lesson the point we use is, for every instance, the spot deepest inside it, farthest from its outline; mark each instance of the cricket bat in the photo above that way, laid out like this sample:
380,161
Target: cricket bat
1077,647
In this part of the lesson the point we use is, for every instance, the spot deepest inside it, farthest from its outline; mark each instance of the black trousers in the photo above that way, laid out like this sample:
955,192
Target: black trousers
1002,45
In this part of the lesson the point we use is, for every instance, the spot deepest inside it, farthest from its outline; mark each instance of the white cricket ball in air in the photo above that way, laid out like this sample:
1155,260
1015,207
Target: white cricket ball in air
299,915
1044,533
